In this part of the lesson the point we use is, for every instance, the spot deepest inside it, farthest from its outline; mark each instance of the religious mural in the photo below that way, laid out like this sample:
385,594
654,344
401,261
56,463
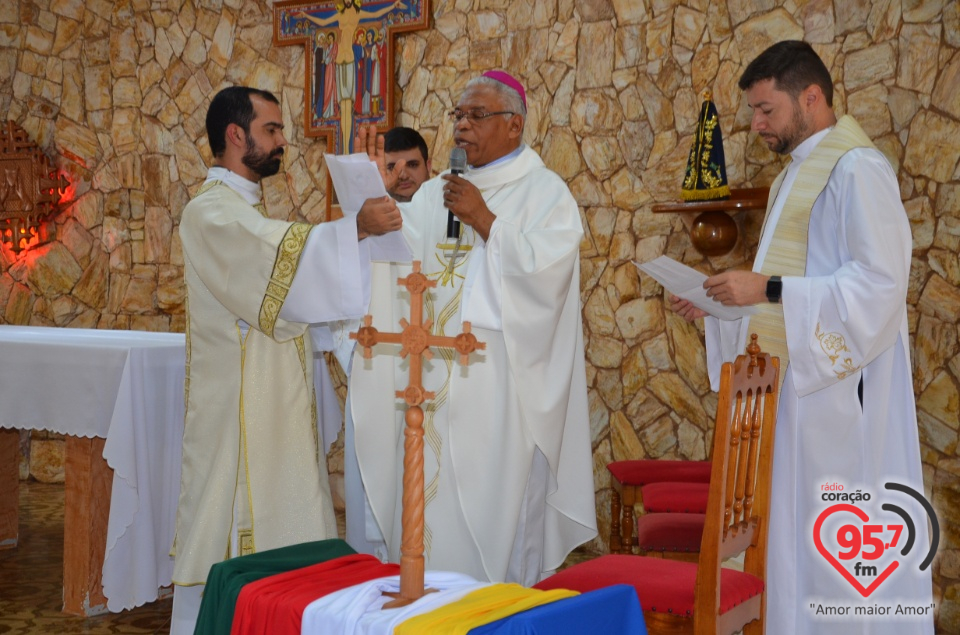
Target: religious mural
349,70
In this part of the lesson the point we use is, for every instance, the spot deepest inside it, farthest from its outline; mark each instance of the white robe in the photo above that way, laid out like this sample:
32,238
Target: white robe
508,468
854,292
254,475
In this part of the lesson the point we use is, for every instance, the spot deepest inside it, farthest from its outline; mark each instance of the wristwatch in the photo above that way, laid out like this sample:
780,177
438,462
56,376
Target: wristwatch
774,289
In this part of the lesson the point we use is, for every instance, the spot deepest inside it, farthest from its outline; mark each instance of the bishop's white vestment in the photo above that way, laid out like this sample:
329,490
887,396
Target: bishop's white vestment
254,475
845,322
508,467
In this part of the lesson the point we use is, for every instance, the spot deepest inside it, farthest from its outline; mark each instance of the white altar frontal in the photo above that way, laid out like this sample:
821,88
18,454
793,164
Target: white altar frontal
119,397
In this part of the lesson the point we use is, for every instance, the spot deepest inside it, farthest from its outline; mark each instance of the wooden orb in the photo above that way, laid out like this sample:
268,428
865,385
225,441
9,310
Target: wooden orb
713,233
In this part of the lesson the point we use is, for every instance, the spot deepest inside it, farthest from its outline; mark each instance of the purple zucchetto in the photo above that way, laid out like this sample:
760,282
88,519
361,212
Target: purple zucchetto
508,80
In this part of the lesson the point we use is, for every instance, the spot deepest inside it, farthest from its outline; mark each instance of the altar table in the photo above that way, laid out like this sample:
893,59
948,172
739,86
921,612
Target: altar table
119,397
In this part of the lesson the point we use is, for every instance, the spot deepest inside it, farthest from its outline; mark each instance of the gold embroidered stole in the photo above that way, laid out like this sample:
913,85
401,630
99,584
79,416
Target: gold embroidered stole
787,253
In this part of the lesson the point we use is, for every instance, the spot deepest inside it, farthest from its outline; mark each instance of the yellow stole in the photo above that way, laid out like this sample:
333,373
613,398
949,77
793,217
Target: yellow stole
787,254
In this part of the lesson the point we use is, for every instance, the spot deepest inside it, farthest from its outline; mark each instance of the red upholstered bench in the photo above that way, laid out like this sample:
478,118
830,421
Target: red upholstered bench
628,477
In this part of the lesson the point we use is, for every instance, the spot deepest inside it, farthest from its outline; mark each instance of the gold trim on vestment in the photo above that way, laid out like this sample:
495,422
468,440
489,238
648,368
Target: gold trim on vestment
246,537
188,354
302,354
207,186
189,350
834,345
284,269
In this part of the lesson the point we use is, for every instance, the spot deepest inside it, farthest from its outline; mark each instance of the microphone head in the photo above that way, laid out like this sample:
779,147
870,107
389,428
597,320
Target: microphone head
458,160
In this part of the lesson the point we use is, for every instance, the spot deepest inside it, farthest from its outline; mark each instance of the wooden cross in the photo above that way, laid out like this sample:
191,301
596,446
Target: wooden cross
416,341
349,60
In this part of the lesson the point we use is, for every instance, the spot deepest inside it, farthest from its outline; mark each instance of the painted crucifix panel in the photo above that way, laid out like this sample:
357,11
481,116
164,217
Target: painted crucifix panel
349,62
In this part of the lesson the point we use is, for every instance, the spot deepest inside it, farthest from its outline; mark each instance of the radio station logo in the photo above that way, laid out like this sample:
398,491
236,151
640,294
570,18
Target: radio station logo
867,549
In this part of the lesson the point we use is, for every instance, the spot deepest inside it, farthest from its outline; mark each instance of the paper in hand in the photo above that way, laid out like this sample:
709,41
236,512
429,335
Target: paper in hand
687,283
356,178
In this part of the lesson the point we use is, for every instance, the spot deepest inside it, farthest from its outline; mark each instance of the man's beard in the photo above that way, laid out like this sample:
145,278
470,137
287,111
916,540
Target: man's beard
260,162
793,136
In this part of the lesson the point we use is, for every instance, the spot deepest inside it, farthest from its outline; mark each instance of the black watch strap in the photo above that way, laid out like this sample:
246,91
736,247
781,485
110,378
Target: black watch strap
774,289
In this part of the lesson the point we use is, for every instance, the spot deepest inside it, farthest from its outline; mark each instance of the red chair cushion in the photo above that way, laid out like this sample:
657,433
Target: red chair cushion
670,532
670,497
663,586
643,471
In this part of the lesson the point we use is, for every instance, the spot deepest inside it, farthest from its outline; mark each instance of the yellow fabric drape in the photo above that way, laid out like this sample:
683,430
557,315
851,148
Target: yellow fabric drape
483,606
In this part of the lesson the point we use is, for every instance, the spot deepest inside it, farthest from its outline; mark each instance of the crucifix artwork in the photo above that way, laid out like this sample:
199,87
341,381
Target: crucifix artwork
349,65
415,341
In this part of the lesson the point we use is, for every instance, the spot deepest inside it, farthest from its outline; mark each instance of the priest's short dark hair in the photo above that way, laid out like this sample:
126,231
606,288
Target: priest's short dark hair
793,65
231,105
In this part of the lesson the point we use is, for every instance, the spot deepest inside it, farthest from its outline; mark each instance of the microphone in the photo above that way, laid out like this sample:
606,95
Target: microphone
458,165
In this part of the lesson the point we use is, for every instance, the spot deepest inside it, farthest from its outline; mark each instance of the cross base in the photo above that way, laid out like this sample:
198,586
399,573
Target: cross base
399,599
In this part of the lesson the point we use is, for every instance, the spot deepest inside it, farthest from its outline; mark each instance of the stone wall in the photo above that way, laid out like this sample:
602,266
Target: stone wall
116,93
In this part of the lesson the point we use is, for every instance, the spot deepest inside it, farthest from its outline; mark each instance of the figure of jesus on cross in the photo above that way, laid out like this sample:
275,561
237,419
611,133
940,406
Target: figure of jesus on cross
349,55
347,19
416,341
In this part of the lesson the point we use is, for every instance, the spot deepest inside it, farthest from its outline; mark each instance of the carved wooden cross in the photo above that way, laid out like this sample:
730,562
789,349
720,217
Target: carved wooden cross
416,341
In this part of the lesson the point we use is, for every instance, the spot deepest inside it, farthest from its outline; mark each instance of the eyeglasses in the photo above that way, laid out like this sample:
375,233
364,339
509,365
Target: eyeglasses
475,114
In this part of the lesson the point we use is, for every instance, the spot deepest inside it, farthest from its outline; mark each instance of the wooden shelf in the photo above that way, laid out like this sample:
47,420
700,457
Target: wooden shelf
714,232
740,199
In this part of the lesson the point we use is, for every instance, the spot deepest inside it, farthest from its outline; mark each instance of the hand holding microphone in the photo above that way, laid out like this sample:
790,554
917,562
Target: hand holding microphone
458,165
463,200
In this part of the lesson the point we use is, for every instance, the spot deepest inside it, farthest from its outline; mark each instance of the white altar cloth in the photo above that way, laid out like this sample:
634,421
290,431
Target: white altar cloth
126,387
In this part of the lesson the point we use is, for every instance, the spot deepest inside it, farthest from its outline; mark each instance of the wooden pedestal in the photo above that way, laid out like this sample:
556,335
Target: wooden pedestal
9,492
86,511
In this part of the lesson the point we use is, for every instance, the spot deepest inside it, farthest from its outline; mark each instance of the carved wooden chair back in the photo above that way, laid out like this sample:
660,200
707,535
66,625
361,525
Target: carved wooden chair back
739,501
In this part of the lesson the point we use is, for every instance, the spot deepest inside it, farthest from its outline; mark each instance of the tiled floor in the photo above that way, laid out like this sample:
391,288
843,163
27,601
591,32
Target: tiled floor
31,578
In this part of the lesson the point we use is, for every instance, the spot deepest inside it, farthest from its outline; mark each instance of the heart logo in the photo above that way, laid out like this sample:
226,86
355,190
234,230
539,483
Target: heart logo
862,515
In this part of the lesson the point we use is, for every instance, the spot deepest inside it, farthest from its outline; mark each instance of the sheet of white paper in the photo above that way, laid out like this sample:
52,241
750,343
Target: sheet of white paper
356,178
687,283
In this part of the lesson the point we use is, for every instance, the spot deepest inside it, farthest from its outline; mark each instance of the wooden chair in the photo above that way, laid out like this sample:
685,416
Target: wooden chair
705,598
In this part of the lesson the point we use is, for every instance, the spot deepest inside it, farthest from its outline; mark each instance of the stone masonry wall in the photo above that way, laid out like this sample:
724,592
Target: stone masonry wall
116,92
